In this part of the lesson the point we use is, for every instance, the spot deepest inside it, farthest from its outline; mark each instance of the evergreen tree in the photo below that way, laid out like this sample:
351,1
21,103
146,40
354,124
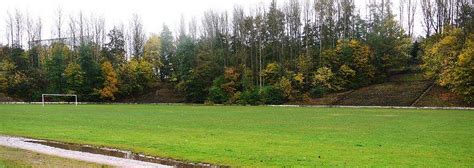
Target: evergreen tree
167,51
115,48
55,67
92,72
74,78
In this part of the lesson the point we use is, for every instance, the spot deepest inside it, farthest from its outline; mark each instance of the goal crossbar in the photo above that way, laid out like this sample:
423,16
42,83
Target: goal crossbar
60,95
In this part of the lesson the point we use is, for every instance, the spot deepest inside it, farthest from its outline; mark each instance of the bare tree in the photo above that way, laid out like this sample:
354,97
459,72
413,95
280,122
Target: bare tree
98,26
401,12
88,29
39,28
72,30
19,27
182,28
293,32
411,10
30,30
193,28
81,24
11,28
346,17
428,13
307,19
137,36
59,21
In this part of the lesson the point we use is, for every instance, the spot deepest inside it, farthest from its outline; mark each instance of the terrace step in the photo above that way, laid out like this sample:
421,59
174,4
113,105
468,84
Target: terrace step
163,93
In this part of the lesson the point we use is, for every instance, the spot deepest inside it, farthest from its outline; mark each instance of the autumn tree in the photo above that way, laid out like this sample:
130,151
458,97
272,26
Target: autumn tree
449,61
151,52
110,86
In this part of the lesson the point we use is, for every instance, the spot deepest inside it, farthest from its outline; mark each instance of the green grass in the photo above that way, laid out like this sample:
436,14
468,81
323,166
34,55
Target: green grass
258,136
15,158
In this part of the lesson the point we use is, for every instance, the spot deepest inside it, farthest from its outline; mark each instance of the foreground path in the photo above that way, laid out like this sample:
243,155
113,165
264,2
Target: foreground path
22,143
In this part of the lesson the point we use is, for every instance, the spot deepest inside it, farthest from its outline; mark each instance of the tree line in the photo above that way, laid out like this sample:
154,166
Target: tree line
268,55
448,53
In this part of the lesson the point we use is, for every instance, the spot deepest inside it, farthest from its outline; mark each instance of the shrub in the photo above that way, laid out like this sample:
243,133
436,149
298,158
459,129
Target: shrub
285,86
326,78
216,93
251,97
234,98
272,95
272,73
317,92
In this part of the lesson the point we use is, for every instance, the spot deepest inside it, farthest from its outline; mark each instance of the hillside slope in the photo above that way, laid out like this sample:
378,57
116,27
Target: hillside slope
399,90
5,98
163,93
439,96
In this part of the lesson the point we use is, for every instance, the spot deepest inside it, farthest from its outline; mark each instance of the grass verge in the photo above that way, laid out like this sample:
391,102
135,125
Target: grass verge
14,158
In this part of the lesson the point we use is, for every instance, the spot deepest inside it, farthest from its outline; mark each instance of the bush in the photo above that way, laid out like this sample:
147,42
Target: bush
249,97
216,93
325,77
318,92
272,95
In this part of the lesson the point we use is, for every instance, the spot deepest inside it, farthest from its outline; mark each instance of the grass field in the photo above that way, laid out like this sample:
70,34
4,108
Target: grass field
14,158
258,136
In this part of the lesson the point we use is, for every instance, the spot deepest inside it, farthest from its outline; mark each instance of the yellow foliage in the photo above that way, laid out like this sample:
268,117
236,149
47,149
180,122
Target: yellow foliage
151,50
272,73
285,85
304,64
449,60
110,82
326,78
299,78
347,71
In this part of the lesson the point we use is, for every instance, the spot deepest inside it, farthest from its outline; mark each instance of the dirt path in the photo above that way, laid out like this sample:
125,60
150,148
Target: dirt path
27,144
423,94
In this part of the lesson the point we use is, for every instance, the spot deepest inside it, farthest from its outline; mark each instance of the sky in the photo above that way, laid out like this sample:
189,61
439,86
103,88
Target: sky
154,13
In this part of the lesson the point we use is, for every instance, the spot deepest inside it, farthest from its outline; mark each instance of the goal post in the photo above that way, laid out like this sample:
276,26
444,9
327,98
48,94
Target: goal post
59,95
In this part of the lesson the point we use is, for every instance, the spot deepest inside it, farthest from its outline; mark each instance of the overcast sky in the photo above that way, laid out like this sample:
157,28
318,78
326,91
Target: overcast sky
153,12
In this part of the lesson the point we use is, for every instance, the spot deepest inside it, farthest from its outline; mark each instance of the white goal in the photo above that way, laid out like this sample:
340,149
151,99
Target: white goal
59,95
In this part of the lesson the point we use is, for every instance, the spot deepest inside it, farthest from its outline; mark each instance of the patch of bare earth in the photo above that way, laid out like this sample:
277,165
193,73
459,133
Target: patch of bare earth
440,96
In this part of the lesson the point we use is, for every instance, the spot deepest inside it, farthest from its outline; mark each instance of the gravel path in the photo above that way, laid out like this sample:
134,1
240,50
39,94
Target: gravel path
21,143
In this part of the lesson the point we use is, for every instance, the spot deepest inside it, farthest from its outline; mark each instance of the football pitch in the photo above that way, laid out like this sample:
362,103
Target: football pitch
258,136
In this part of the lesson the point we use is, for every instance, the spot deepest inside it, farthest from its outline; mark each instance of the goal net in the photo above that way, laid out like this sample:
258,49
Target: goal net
43,96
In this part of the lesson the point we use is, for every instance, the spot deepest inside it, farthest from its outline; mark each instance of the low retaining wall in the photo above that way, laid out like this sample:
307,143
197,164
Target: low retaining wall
381,107
320,106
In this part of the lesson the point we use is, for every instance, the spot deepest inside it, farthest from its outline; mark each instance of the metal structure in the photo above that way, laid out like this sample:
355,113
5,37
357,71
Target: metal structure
69,41
60,95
